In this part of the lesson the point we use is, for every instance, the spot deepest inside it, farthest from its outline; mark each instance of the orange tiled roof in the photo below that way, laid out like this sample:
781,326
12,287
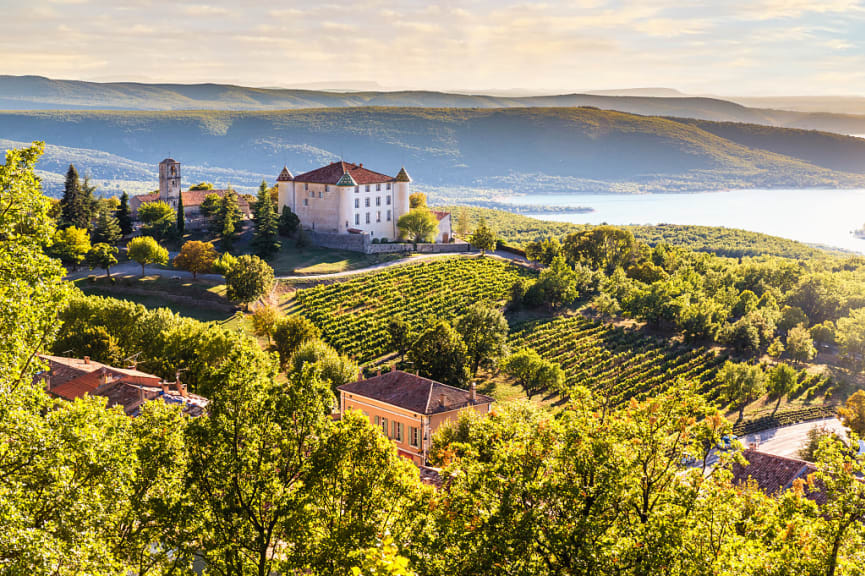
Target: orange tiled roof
331,174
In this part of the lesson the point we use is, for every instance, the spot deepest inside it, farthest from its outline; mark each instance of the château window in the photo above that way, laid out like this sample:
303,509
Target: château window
326,189
367,187
367,217
384,427
357,202
397,431
378,187
306,201
378,200
366,202
388,185
356,189
306,185
312,193
378,216
388,215
387,200
319,193
414,436
356,219
377,421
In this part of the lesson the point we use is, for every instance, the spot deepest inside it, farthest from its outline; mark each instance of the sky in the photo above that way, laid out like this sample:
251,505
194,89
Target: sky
727,47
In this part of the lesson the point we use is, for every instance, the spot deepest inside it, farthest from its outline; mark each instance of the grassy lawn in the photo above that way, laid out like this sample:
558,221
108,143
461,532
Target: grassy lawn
314,260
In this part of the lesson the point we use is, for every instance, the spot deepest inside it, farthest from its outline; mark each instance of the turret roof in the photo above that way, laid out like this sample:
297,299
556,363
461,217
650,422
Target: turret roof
332,173
346,180
285,175
402,176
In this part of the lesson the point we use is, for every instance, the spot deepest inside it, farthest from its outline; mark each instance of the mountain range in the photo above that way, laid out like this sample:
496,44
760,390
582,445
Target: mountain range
448,150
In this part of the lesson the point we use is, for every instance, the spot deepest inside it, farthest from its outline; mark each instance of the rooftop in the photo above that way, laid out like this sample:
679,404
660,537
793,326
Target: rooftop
773,474
414,393
332,173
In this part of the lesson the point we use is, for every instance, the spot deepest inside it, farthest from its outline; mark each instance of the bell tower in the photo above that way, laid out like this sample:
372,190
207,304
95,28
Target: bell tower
169,181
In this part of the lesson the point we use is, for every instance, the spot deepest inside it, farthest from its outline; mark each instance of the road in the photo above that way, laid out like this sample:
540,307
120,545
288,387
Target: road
787,440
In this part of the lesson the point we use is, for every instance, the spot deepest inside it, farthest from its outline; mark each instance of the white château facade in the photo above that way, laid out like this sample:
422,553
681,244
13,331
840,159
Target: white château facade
346,198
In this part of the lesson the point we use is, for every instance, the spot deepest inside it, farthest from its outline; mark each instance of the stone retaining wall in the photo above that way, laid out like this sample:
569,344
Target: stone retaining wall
363,243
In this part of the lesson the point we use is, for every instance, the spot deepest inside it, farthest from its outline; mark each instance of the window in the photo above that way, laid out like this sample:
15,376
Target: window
306,201
326,189
356,219
377,421
356,189
378,187
366,202
387,199
357,202
306,185
319,193
378,200
312,193
388,215
398,428
367,217
388,185
414,436
367,187
378,216
384,429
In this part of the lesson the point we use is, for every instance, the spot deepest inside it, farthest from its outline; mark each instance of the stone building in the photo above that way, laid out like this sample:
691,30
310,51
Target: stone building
170,192
346,198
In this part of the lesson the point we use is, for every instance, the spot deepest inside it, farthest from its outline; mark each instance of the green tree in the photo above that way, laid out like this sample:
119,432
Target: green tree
248,465
227,219
265,241
782,380
290,333
157,220
741,384
102,256
484,330
180,222
851,338
249,279
107,229
71,245
418,225
533,373
483,238
557,285
202,186
776,348
417,200
440,354
224,263
852,414
601,248
264,321
463,223
75,205
210,209
327,363
399,334
799,346
196,257
288,222
544,251
124,215
145,250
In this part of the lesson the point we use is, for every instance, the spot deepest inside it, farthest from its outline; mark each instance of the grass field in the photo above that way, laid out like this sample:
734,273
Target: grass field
314,260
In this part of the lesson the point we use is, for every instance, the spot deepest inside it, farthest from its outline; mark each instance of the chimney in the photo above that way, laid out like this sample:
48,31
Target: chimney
442,399
164,386
360,165
752,446
378,373
141,397
359,374
474,393
87,359
181,388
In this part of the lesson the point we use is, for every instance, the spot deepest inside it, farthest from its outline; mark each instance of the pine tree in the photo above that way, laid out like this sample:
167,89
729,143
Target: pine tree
266,240
73,209
228,219
107,229
124,215
181,217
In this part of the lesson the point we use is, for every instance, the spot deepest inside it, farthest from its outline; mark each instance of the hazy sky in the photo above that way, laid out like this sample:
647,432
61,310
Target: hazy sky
741,47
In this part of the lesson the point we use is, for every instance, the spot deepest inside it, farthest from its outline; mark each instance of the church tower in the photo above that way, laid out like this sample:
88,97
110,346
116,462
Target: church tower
169,181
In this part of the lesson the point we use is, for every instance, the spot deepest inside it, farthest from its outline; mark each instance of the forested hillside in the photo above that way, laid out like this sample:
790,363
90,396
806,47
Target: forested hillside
519,149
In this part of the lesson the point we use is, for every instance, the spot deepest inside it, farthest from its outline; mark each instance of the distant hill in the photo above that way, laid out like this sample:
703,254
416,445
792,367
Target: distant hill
38,93
525,150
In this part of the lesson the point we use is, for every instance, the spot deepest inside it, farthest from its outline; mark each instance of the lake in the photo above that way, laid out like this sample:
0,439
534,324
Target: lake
813,216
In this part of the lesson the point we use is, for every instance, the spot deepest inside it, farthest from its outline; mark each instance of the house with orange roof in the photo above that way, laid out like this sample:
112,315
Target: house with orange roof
409,409
128,388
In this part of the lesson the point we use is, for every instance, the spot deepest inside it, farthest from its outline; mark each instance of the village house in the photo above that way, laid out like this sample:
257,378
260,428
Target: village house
445,233
71,378
170,192
409,409
774,475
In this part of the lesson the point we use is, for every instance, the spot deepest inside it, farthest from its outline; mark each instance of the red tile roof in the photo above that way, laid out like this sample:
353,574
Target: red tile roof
413,393
331,174
440,215
773,474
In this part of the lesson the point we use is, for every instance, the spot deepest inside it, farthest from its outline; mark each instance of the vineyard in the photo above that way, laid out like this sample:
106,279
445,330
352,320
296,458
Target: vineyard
353,315
623,363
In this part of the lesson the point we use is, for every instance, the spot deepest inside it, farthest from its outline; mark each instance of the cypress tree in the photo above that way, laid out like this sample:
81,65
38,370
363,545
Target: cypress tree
124,216
181,217
71,208
228,218
266,239
107,229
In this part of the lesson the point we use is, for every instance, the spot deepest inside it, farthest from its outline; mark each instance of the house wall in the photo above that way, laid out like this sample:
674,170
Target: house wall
317,206
445,233
428,425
